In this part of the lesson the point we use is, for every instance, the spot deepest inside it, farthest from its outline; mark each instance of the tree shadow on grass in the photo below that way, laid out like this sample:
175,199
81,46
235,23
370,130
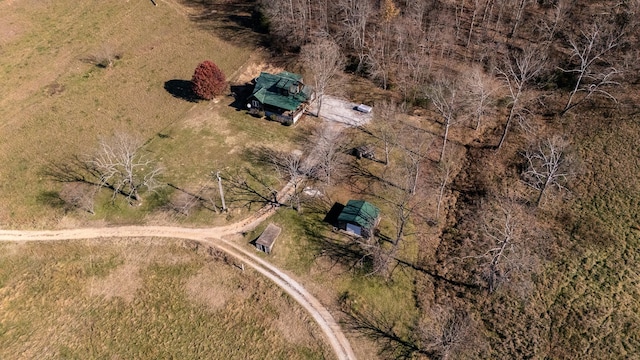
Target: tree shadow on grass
181,89
233,20
384,331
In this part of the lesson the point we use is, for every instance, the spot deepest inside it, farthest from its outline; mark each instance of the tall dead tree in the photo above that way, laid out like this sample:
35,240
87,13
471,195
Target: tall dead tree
502,232
325,61
547,166
354,15
589,49
518,70
448,101
480,88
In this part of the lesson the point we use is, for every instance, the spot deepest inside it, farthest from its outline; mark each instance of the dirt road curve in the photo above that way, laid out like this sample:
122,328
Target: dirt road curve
213,237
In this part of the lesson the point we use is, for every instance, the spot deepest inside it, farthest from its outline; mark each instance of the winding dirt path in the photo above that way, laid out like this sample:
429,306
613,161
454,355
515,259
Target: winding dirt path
214,237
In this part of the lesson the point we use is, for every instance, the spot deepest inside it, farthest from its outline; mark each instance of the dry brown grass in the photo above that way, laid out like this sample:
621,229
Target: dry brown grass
144,299
123,282
207,288
253,70
54,104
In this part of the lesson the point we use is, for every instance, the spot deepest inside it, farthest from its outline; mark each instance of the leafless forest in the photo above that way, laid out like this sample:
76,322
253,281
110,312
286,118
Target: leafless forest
500,145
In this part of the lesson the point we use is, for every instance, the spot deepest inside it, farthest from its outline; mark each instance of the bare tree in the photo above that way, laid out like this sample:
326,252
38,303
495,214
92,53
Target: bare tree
589,49
248,188
292,33
183,202
504,237
445,333
401,186
444,172
381,257
121,165
404,204
547,166
105,57
354,16
447,98
558,14
290,166
517,72
325,61
381,56
414,145
476,8
520,8
384,126
480,89
412,59
502,234
323,160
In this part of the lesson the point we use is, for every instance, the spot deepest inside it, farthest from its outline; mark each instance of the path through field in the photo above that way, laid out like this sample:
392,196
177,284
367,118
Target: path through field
214,237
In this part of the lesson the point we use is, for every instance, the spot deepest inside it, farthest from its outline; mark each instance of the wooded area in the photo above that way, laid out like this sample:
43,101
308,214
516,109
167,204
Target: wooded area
504,216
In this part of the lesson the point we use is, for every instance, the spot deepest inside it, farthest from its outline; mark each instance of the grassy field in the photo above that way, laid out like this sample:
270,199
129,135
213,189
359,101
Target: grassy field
115,300
56,103
144,299
600,283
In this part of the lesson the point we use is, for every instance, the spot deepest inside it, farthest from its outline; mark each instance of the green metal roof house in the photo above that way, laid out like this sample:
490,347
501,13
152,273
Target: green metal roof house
283,95
359,217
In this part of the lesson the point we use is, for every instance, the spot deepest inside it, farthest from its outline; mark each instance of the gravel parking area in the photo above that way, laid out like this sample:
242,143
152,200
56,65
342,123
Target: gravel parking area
342,111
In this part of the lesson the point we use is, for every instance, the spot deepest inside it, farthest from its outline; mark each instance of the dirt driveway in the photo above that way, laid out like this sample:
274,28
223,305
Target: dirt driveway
214,237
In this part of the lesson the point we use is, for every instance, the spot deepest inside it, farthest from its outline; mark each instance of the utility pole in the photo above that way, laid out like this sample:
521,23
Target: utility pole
224,206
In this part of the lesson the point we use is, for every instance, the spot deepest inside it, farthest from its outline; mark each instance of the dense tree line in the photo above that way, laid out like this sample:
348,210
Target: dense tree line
402,44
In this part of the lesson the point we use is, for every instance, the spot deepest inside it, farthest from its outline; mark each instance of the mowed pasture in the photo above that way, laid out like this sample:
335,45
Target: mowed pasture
57,102
144,299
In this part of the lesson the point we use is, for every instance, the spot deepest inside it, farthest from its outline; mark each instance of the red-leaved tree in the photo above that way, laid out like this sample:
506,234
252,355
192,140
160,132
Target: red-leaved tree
208,80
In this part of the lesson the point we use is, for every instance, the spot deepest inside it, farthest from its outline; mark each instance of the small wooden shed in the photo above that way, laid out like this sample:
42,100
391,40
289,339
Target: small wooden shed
268,238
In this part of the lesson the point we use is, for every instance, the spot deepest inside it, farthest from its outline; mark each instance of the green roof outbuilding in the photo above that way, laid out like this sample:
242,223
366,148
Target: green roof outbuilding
360,213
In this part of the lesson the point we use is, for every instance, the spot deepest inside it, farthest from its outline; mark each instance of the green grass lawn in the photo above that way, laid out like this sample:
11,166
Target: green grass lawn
308,248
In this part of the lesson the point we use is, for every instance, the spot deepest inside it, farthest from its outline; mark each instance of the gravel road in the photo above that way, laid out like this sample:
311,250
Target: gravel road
214,237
